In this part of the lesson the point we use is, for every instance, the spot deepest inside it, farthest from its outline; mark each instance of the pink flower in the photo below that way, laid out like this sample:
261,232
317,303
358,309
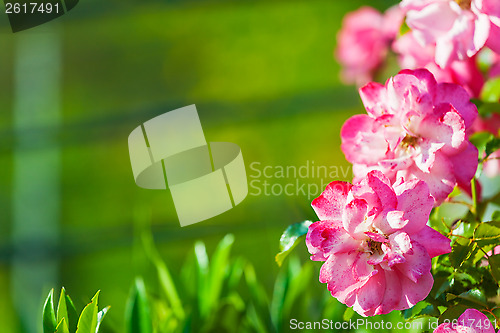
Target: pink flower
375,243
415,128
458,28
471,321
412,55
364,40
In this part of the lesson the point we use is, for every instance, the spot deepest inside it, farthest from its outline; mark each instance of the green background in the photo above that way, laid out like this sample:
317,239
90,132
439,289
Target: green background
262,75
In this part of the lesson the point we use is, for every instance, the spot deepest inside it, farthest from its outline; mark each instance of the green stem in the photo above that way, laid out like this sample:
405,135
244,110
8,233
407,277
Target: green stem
474,196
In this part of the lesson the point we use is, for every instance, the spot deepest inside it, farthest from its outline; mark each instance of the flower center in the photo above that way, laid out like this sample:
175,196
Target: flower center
409,141
464,4
375,247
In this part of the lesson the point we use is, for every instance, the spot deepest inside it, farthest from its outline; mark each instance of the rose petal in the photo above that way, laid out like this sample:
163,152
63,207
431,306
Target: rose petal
330,204
412,293
392,293
370,295
328,237
354,218
476,320
417,264
433,241
415,201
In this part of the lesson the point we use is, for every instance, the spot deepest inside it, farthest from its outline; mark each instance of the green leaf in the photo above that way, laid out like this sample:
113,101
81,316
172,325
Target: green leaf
49,316
453,312
88,318
465,277
487,108
62,327
100,317
480,140
442,282
492,146
348,313
465,229
494,261
62,310
430,310
488,284
487,230
496,215
72,319
491,90
475,296
138,309
496,312
460,253
290,238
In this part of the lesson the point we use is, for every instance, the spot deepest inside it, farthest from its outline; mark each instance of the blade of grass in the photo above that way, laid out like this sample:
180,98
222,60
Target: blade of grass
236,273
300,277
62,310
258,298
166,282
138,309
72,319
62,327
203,270
49,316
219,270
278,299
100,317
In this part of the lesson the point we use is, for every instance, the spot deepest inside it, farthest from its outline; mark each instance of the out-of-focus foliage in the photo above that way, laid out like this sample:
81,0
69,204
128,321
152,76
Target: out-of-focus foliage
65,318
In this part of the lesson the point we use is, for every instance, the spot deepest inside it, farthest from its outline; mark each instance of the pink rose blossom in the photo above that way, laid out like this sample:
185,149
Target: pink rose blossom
471,321
412,55
364,40
375,243
458,28
415,129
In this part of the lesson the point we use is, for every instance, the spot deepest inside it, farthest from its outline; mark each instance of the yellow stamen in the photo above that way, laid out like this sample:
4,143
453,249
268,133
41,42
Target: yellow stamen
409,141
375,247
464,4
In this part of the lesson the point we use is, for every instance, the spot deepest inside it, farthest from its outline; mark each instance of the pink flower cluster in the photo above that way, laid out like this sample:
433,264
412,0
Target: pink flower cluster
445,38
408,153
364,42
375,243
414,128
457,28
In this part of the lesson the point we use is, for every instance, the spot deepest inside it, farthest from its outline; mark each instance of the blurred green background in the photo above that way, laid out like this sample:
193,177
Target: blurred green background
261,74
